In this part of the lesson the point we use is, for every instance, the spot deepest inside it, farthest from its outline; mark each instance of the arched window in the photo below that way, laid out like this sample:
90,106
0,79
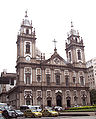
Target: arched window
79,54
27,47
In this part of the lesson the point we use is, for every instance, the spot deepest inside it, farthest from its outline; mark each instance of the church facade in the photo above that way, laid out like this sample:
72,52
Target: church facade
53,81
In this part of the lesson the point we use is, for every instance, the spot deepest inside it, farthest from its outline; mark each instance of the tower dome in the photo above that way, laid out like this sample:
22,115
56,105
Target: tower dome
26,21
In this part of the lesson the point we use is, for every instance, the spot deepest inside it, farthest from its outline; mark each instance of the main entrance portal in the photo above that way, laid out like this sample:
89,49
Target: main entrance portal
59,100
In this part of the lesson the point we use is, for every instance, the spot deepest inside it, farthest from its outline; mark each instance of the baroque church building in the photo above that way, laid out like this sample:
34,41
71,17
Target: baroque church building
53,81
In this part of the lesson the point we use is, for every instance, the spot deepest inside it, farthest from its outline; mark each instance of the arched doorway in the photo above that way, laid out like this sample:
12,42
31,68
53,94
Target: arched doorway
68,99
75,100
59,100
68,103
49,103
28,102
39,101
83,101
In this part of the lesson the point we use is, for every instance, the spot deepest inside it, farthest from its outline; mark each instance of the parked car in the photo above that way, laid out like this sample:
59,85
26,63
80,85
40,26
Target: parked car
32,113
1,116
19,113
3,106
0,111
57,108
35,107
47,107
9,114
49,112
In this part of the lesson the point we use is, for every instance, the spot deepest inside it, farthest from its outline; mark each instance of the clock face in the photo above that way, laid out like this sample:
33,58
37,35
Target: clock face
28,58
56,60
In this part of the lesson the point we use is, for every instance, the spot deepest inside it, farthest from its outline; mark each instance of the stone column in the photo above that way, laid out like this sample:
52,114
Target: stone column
34,97
53,98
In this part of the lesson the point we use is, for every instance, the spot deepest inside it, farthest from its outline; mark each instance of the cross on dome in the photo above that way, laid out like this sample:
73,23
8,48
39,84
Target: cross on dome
55,45
26,13
55,42
72,24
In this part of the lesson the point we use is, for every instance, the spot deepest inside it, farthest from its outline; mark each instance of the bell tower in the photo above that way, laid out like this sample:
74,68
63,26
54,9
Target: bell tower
75,48
26,40
26,51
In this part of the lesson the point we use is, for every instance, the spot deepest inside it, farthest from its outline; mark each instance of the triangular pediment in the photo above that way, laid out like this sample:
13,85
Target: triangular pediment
56,59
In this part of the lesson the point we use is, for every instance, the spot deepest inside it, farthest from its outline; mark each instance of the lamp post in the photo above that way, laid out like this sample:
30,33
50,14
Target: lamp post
41,82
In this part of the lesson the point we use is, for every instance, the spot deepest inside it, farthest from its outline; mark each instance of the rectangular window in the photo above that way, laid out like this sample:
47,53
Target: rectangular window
27,78
82,80
12,82
67,81
38,71
57,79
38,74
69,56
38,78
27,47
48,79
79,55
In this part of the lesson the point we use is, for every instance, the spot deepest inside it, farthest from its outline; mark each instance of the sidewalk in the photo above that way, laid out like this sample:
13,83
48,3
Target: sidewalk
77,113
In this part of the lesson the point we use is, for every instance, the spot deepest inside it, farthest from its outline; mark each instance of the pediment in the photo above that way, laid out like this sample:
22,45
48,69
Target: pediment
56,59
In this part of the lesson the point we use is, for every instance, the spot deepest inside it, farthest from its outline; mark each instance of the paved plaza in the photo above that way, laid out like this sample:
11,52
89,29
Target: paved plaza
64,117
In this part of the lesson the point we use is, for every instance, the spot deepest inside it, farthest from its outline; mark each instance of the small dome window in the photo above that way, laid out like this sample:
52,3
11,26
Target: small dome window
79,54
27,31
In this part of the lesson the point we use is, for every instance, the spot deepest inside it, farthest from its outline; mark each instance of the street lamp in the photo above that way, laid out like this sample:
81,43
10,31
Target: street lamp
41,82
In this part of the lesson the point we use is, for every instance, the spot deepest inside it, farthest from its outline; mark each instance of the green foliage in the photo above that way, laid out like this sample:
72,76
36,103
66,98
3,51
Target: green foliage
94,105
93,96
83,108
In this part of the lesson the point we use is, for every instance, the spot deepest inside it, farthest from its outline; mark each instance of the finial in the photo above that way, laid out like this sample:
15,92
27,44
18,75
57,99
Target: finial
71,24
78,32
67,34
34,30
55,44
41,56
23,21
31,22
26,13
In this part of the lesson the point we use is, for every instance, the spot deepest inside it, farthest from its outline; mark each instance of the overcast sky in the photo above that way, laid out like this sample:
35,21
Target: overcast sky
51,19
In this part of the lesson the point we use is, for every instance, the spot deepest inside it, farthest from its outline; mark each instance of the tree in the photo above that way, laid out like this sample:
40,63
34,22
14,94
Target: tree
93,96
